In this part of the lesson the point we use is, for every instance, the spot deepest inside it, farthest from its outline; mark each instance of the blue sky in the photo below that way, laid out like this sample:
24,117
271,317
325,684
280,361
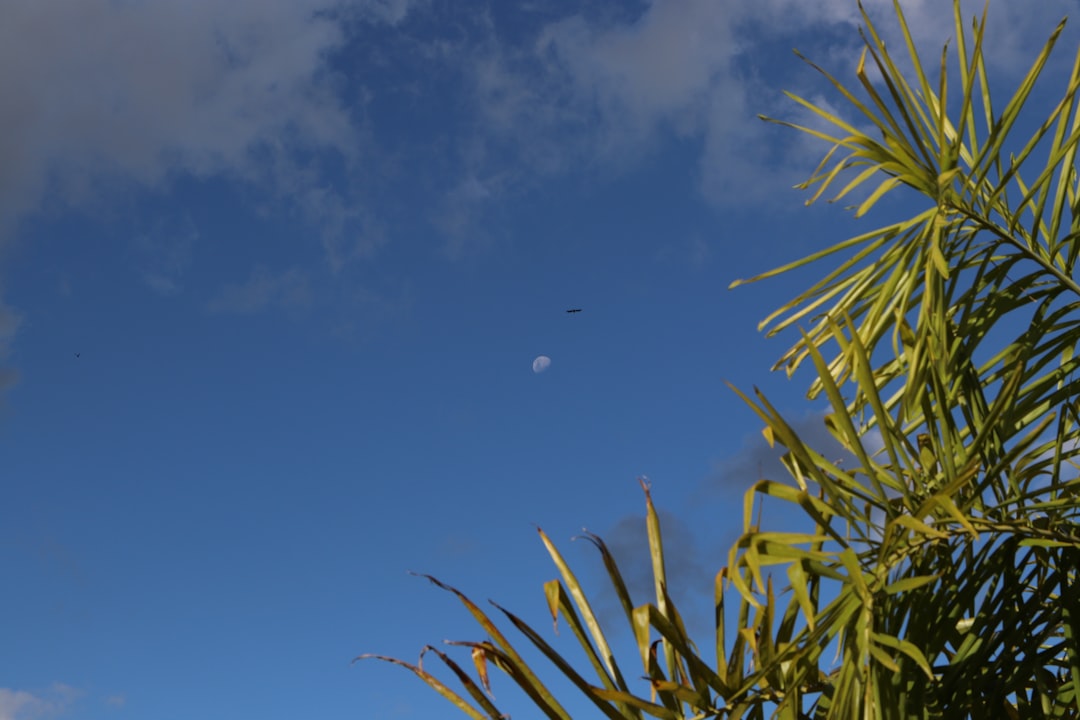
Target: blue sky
273,274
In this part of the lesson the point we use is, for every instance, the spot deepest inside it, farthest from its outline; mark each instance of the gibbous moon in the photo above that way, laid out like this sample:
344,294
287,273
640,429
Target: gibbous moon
541,363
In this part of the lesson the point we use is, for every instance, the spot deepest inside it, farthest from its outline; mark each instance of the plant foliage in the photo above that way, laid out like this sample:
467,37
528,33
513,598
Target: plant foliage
937,577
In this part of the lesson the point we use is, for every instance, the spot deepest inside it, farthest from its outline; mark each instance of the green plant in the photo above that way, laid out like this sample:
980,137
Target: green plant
940,565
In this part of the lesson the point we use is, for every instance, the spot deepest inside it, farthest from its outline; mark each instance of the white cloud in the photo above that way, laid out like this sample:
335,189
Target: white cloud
601,93
15,702
664,67
137,92
603,90
24,705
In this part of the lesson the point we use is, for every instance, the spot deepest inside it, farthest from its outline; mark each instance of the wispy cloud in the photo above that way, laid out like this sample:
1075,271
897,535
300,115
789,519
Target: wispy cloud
349,231
389,11
756,460
164,254
9,325
264,288
628,541
688,570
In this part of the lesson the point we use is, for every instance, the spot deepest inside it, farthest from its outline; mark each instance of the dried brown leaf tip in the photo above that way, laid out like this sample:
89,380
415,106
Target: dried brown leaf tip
479,658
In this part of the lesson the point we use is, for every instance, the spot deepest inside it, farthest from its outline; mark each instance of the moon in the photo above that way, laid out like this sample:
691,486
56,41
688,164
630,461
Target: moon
541,363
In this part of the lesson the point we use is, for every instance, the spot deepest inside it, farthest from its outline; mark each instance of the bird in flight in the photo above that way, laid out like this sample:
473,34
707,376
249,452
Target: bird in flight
78,354
574,310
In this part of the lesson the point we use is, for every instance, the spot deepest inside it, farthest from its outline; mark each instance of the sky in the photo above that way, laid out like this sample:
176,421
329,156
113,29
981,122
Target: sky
273,278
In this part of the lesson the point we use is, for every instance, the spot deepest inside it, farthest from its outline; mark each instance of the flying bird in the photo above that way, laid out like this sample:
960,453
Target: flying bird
78,354
574,310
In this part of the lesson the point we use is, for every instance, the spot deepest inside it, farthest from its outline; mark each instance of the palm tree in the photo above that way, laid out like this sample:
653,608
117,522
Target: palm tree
937,574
